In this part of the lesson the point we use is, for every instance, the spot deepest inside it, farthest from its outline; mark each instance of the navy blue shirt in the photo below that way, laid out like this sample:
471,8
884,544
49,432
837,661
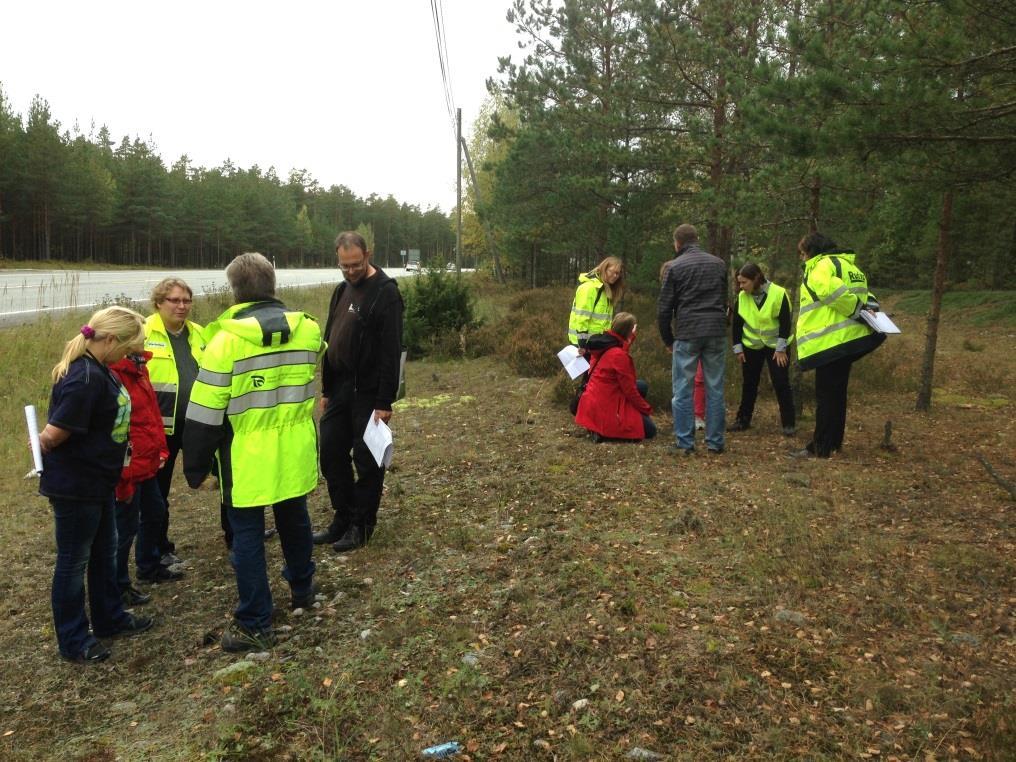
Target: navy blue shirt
95,408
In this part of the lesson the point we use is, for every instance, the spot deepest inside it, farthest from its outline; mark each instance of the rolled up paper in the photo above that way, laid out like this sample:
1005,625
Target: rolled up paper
33,436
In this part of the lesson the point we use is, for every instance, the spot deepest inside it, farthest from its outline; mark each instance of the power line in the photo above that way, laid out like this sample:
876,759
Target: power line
437,13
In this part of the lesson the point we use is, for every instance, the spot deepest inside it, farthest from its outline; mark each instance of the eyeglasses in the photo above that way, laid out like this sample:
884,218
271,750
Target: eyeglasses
353,267
184,302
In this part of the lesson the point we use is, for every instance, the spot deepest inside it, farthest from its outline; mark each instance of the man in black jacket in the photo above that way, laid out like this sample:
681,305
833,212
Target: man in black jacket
359,380
692,316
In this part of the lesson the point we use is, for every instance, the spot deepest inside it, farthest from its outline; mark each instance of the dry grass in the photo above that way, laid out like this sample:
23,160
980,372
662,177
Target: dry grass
743,607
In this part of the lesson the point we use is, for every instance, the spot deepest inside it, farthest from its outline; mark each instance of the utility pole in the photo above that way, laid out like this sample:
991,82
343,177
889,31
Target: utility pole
458,189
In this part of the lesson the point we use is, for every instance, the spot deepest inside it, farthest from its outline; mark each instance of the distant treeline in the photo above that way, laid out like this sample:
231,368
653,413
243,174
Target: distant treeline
74,197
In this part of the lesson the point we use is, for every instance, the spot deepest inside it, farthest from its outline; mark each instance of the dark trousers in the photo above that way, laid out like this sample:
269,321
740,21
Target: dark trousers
254,610
141,517
165,480
830,406
355,500
648,424
85,540
751,374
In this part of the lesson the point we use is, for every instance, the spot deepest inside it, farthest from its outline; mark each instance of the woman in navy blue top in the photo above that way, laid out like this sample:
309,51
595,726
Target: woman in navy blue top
84,447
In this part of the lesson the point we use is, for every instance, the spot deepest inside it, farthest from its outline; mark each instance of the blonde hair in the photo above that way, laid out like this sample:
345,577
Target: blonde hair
126,325
615,291
165,286
623,323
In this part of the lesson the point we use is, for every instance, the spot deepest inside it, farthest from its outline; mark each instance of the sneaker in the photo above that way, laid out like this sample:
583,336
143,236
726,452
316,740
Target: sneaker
91,655
135,625
700,424
162,574
238,639
738,425
134,597
789,431
170,559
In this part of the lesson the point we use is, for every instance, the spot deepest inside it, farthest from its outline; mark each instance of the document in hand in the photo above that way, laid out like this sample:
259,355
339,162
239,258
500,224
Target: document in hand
378,438
879,322
572,361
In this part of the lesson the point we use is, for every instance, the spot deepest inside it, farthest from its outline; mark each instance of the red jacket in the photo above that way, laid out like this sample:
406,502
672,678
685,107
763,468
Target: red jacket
148,437
611,405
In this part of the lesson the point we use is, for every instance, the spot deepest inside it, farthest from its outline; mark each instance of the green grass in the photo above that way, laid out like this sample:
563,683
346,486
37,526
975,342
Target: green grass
650,587
980,308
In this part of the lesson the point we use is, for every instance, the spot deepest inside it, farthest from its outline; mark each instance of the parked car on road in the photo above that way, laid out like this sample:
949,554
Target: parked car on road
450,267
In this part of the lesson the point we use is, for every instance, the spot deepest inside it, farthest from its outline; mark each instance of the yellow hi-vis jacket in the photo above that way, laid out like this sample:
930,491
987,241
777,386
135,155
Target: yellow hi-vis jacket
253,403
833,292
592,310
762,325
162,366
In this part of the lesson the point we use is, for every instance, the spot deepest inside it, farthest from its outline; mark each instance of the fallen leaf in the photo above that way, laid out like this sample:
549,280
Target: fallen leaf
327,682
619,697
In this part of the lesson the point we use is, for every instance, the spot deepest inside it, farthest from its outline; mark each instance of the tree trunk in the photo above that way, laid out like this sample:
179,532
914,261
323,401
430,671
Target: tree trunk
938,288
816,204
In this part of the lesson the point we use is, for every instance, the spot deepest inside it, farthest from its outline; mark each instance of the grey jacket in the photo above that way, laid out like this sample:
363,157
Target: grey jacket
693,299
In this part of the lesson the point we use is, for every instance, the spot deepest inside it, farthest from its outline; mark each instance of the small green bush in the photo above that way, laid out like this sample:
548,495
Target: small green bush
439,308
531,349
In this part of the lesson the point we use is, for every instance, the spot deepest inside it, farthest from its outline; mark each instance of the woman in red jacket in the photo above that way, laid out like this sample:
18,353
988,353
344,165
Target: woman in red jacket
614,406
137,493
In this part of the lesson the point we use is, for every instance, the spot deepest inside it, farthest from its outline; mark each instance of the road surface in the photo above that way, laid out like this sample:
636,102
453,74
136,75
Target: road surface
26,294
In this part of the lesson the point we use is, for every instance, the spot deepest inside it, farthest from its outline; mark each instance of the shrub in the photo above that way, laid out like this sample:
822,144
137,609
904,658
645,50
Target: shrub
531,349
438,308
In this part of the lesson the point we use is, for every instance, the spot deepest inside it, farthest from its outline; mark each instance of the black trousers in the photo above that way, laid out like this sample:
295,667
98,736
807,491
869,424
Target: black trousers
164,476
355,499
830,406
751,374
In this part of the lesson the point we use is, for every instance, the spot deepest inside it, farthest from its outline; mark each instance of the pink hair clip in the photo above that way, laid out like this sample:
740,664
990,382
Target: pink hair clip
88,332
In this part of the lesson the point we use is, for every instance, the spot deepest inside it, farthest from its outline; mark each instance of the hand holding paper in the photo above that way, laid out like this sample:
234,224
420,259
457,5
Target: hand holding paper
572,361
378,438
33,436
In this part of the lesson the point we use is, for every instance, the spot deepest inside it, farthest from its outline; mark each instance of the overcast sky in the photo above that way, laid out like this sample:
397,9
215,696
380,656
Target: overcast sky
348,89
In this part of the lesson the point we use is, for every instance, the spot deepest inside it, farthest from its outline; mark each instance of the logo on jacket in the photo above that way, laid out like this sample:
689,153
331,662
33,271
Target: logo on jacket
258,381
855,277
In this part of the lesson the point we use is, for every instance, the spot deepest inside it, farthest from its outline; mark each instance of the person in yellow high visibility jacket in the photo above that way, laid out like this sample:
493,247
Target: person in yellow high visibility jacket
253,405
762,334
830,336
598,292
176,343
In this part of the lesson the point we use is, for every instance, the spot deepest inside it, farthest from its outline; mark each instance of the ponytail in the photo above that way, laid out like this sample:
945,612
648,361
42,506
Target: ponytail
126,325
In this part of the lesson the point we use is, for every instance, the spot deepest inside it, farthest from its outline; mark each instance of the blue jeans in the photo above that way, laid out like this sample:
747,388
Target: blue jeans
143,516
254,611
85,539
712,351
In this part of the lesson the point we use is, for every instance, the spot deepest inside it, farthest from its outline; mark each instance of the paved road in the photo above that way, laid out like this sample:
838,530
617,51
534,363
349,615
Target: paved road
26,294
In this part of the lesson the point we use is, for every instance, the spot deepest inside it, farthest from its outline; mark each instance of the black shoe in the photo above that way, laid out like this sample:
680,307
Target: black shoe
739,425
351,539
789,431
169,559
238,639
332,534
305,601
715,450
801,454
682,451
134,626
162,574
597,438
91,655
134,597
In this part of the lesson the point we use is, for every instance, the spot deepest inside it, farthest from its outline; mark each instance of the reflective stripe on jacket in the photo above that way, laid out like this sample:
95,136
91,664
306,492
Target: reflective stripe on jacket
761,325
253,403
162,367
832,294
592,310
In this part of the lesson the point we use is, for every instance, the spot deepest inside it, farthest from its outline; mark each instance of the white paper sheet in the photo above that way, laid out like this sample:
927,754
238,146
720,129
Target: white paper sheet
33,435
378,438
879,321
573,362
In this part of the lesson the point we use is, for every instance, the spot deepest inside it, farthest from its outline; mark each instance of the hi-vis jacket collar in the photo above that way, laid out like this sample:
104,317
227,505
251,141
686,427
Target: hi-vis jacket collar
266,324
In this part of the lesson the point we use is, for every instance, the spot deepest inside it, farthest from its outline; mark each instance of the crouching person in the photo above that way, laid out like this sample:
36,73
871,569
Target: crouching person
253,403
614,406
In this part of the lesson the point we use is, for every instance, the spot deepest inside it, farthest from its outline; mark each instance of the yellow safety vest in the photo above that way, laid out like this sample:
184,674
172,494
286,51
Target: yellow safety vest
162,366
761,326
